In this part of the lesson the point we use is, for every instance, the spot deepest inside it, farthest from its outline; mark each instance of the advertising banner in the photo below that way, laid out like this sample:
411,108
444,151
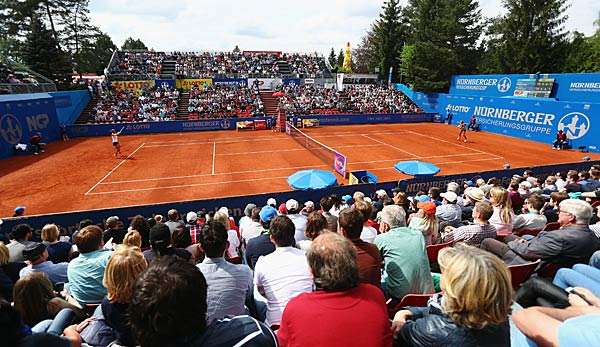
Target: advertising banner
244,125
21,116
165,84
294,82
188,83
339,164
349,119
265,83
135,86
235,82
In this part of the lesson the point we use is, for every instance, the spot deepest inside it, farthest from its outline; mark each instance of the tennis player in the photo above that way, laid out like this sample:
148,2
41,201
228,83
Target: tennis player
114,135
462,126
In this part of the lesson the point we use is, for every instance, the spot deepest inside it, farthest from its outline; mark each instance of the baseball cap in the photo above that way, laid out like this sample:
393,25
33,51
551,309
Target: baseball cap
291,204
380,193
191,217
450,196
474,193
19,209
282,209
469,183
422,198
272,202
33,251
346,198
452,187
309,204
267,213
427,207
160,233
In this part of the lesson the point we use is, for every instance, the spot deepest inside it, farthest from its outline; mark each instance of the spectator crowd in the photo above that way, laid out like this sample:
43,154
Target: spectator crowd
122,105
332,274
226,64
218,101
138,65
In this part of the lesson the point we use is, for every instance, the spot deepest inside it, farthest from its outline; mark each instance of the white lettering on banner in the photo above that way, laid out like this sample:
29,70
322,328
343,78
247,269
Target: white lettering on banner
457,108
585,86
517,126
515,115
137,127
477,81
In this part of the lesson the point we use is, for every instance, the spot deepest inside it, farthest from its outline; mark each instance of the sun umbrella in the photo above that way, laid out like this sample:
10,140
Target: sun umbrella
417,168
312,180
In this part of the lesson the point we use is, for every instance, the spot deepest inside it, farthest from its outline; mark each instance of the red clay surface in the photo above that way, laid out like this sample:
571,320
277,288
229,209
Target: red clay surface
83,174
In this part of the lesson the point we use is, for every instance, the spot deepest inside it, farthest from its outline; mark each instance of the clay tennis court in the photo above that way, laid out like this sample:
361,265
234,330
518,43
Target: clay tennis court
83,174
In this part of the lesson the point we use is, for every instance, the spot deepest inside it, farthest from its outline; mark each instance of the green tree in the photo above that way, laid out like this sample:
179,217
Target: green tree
133,44
532,36
340,59
364,56
95,54
444,35
42,55
388,38
331,59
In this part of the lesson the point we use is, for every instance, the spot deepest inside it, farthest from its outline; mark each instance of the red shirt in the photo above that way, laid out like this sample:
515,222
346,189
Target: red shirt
356,317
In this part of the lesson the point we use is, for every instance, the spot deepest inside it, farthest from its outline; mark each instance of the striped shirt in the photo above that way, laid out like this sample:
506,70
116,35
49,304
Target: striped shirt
471,234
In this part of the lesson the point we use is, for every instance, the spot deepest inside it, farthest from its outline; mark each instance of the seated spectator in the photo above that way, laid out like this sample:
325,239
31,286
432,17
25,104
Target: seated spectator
228,284
283,274
232,238
575,325
36,256
19,238
426,222
403,252
551,209
252,229
261,245
368,232
502,218
174,220
114,231
326,205
467,316
572,185
132,239
573,242
473,195
449,212
340,303
516,199
140,224
58,251
86,272
173,294
367,255
316,225
123,269
160,245
247,217
473,234
36,301
6,280
561,140
532,220
299,220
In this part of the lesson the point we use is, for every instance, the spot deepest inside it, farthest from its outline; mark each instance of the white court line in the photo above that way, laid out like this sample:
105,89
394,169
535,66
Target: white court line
216,174
114,168
389,145
214,156
187,185
452,143
428,157
271,151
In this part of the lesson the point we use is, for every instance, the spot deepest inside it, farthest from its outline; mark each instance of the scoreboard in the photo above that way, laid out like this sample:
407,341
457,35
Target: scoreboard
534,87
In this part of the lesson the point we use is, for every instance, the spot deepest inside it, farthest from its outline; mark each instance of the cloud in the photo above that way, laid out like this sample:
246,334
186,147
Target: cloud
296,26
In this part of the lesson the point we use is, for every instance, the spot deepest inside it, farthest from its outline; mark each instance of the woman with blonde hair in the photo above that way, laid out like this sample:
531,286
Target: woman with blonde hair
503,215
122,271
425,221
58,251
474,309
232,237
133,239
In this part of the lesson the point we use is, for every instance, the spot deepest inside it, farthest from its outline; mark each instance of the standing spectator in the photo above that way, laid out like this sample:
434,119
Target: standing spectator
449,212
87,270
573,242
261,245
326,204
317,224
168,307
503,213
283,274
367,255
340,303
474,233
403,251
20,238
532,221
299,220
122,271
114,231
475,307
58,251
228,284
426,222
36,256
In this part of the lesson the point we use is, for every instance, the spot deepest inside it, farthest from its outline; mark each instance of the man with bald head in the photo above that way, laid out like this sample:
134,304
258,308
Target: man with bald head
334,314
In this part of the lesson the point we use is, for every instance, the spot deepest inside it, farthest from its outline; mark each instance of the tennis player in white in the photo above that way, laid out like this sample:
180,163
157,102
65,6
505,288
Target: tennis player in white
114,135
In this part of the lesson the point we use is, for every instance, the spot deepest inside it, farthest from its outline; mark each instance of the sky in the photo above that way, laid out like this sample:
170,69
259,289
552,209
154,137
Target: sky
284,25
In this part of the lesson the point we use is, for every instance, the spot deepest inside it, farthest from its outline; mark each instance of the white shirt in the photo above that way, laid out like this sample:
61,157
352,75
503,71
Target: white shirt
529,221
368,234
300,222
234,243
243,221
115,138
283,274
250,231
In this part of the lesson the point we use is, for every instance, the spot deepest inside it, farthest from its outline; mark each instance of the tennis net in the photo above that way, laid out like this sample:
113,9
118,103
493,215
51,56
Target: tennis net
324,152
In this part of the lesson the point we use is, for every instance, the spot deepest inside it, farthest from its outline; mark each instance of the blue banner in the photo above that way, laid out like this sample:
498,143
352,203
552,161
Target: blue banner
349,119
583,87
165,84
22,115
239,82
70,104
294,82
